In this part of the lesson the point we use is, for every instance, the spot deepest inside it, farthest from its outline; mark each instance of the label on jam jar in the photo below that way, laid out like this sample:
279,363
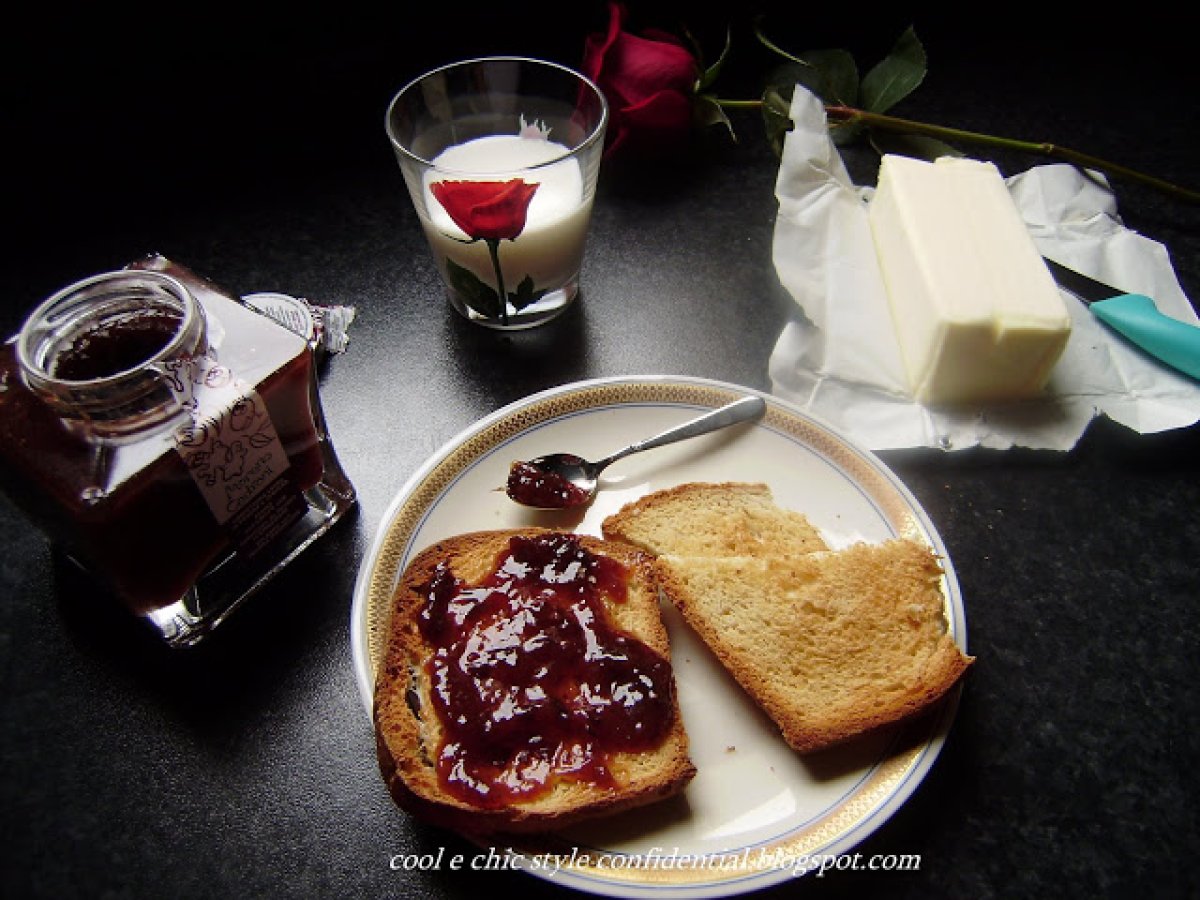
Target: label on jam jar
233,453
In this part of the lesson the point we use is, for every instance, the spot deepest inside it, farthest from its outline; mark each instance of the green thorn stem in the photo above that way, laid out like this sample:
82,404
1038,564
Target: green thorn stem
850,114
1039,148
494,250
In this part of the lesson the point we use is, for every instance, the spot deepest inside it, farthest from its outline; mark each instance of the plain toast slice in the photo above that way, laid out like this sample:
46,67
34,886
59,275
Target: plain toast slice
829,644
411,733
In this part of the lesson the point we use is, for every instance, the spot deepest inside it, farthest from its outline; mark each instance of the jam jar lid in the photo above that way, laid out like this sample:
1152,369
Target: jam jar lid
95,350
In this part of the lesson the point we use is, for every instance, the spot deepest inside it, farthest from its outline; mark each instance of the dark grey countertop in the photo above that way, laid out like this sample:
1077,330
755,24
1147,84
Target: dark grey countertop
252,150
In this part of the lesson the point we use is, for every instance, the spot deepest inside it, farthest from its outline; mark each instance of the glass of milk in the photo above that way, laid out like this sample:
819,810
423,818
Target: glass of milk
500,156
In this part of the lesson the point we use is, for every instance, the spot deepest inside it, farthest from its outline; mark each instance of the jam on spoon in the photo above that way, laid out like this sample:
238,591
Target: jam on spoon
535,485
564,480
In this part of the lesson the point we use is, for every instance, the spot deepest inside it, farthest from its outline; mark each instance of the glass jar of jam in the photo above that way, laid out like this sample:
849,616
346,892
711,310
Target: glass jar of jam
169,440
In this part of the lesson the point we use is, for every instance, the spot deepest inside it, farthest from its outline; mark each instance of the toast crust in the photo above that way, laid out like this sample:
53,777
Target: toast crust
408,731
713,519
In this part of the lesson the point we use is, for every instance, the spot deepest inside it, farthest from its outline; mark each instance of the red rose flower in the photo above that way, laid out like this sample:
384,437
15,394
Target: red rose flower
486,210
649,81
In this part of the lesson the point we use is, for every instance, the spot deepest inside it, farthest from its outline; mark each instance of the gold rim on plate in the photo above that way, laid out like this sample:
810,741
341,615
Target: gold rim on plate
884,785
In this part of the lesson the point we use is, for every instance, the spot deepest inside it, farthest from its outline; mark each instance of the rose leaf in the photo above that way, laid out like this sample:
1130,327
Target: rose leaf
477,295
525,295
916,145
707,111
896,76
710,74
776,113
837,75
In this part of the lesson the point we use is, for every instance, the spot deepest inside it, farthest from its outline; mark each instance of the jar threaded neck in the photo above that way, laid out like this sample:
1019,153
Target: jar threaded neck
96,351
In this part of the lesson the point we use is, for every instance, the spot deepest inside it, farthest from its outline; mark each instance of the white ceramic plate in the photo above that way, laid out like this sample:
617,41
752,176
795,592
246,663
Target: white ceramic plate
757,813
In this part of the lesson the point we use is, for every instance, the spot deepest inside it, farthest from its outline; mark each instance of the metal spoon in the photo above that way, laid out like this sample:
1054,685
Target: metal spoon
561,480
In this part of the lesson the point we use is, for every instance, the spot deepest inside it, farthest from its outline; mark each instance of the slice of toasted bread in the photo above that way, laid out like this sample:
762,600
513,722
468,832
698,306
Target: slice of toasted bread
707,519
829,644
412,734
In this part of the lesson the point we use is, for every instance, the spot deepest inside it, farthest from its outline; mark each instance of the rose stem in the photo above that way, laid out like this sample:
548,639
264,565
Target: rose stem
494,250
1043,148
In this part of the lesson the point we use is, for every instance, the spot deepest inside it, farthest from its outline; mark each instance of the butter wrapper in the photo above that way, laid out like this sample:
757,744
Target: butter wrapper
839,357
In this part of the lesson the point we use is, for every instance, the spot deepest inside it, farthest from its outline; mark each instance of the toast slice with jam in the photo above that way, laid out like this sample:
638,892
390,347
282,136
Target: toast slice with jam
527,684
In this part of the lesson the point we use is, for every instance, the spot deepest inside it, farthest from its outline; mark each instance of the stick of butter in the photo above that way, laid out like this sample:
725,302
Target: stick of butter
977,313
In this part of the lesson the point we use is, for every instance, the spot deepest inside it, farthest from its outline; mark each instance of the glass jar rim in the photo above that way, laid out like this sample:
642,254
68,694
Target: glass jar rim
595,133
30,352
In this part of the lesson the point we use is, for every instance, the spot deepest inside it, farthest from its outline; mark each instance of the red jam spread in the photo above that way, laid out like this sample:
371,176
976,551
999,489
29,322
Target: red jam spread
531,680
117,344
534,486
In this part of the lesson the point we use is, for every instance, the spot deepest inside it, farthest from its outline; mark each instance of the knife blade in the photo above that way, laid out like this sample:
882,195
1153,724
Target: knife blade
1135,316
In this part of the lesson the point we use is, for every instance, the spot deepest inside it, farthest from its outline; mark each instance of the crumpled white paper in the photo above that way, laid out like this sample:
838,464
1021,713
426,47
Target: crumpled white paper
843,364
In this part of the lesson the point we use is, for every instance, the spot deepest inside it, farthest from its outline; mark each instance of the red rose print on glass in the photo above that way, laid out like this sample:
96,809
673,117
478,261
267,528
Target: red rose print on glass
489,211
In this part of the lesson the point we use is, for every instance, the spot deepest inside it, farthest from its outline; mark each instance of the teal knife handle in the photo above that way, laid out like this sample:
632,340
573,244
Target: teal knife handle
1135,316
